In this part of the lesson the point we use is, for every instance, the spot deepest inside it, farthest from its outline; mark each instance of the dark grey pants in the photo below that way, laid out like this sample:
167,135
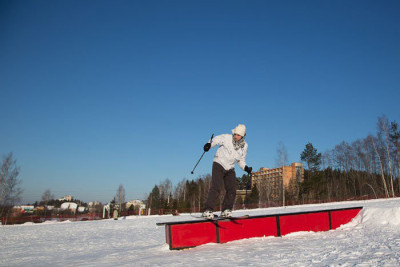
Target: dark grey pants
220,177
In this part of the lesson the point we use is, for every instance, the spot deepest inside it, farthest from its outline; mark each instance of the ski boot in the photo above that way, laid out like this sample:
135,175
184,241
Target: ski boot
226,213
208,214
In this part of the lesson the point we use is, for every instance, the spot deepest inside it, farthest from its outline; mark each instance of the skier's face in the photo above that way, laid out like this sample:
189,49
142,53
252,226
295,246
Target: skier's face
237,137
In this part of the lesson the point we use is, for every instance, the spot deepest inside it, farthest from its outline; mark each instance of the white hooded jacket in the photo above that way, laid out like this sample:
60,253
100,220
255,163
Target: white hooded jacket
226,154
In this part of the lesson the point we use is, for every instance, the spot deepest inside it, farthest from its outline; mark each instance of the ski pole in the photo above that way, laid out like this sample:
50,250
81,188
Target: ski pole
201,155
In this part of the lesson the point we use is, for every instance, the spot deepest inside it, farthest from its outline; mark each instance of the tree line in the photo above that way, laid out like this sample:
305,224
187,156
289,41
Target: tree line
367,167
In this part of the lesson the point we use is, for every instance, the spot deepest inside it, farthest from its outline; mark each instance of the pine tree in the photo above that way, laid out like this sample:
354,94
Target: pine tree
253,198
154,198
311,157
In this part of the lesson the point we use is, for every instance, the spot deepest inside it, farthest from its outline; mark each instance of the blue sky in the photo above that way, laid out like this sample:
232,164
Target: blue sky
100,93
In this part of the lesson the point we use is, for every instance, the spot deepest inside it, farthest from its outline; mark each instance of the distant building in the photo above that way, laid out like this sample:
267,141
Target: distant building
242,194
66,198
69,206
136,204
27,208
39,209
16,210
272,178
94,203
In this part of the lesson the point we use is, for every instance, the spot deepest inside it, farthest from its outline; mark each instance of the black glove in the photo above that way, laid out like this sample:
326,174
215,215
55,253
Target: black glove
207,147
248,169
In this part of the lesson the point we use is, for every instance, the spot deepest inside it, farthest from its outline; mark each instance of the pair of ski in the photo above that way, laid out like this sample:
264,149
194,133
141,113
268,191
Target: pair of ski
201,218
217,218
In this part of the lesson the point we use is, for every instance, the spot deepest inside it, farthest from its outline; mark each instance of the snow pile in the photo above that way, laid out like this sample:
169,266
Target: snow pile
377,217
384,217
371,239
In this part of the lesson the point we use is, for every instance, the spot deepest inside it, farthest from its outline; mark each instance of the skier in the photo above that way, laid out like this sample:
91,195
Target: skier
232,149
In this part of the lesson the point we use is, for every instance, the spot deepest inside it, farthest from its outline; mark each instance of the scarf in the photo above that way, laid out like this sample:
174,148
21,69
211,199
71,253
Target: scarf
237,144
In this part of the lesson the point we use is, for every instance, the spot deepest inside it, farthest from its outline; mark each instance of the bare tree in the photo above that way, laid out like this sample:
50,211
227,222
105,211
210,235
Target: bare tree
165,190
381,166
383,129
120,197
327,159
394,137
10,192
46,197
265,191
282,158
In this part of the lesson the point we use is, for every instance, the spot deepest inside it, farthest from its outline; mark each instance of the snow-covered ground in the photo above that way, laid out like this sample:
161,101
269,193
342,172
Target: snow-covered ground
371,239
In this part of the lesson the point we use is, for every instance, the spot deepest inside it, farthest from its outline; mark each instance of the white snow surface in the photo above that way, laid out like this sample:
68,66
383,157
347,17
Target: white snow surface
371,239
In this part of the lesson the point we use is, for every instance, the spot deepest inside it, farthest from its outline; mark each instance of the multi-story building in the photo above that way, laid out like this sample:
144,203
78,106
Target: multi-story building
66,198
270,180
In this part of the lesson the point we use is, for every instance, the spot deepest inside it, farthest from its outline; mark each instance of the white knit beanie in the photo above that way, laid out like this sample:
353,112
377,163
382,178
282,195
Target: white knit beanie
240,130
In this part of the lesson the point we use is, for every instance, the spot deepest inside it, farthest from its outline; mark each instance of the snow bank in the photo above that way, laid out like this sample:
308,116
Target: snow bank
381,216
376,218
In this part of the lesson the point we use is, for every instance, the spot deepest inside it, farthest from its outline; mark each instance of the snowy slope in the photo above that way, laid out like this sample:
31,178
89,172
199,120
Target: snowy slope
371,239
